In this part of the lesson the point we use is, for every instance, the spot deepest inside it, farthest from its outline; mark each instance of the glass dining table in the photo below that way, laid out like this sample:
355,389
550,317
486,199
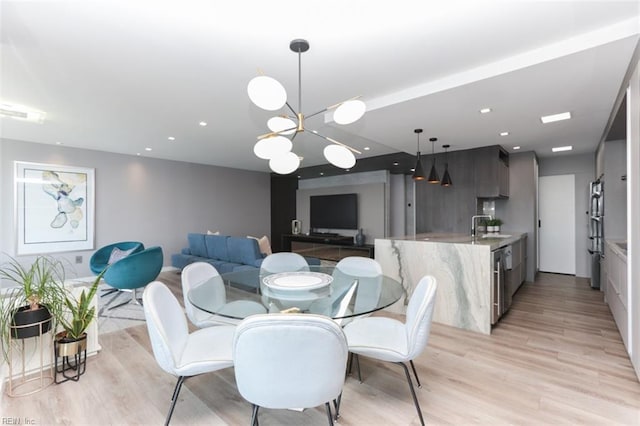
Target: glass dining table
320,290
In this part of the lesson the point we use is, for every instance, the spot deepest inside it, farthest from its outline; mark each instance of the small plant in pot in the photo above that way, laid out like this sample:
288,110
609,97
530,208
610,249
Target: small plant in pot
493,225
71,342
32,304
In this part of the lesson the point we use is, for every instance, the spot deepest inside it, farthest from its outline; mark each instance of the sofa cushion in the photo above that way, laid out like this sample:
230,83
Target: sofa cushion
196,245
243,250
216,247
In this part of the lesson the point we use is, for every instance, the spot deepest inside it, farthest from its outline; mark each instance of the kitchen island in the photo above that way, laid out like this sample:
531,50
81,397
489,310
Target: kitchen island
462,266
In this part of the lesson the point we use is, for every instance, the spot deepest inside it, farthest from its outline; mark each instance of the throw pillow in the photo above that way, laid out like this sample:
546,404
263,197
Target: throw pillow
117,254
263,243
213,233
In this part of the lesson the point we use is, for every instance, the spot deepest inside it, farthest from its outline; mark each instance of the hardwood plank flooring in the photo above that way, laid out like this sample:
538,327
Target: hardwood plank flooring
555,358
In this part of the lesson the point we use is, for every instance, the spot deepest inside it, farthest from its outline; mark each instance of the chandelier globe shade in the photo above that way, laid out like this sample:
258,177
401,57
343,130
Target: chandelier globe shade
339,156
349,112
418,170
274,146
267,93
285,163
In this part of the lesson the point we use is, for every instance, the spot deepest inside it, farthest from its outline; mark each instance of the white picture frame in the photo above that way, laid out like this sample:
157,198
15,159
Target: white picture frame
54,208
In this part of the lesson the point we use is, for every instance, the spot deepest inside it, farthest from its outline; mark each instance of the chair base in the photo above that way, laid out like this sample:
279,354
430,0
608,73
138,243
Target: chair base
134,300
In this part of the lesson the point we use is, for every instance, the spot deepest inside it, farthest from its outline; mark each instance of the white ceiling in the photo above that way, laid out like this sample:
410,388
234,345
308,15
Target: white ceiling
120,76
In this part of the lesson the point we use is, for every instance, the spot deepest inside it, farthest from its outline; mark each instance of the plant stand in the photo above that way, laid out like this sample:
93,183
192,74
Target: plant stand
40,375
71,358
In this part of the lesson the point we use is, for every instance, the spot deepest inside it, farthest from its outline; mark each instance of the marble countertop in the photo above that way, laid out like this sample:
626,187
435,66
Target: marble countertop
619,247
493,242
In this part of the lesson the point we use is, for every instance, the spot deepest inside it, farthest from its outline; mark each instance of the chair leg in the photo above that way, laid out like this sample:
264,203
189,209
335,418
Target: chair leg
413,391
329,415
109,291
415,373
174,398
357,358
254,416
336,404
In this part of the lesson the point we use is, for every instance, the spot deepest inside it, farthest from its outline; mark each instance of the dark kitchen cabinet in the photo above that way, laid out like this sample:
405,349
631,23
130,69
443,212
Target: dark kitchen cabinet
491,172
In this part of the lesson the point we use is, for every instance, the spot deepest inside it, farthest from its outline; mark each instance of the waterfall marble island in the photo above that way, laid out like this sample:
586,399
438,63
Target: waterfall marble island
462,266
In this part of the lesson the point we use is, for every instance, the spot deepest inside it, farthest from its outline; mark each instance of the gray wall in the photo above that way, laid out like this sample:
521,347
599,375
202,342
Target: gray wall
154,201
397,205
615,189
520,212
583,166
373,200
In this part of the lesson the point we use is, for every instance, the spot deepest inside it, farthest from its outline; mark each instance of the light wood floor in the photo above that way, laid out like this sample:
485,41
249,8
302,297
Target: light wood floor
555,358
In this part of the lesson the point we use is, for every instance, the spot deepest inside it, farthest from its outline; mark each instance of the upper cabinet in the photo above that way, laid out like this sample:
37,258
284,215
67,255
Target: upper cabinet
491,172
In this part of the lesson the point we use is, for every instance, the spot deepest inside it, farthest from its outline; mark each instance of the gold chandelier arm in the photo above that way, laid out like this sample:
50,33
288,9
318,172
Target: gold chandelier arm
335,142
271,134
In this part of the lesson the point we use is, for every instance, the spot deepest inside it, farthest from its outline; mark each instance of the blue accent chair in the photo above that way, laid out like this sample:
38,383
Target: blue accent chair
133,272
100,259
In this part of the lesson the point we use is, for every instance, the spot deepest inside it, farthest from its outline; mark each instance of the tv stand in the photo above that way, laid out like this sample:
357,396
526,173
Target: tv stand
324,234
327,247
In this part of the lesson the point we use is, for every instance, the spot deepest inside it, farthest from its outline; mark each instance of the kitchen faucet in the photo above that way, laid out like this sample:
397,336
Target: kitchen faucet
473,222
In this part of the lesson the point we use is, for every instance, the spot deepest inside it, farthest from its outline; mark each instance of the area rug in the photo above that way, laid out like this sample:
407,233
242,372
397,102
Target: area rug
125,316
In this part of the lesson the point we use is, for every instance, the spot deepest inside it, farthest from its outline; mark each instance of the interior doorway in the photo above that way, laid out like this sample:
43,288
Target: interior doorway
557,224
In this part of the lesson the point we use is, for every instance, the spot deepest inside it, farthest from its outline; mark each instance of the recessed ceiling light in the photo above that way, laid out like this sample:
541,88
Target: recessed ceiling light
58,143
555,117
395,163
171,138
137,153
203,123
562,148
412,170
485,110
504,133
147,149
366,148
515,148
321,173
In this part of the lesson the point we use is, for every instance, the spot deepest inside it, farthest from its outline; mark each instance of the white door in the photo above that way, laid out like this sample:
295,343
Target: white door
557,231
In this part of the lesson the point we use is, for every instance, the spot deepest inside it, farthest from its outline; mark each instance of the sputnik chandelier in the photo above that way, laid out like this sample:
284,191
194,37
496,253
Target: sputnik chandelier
268,94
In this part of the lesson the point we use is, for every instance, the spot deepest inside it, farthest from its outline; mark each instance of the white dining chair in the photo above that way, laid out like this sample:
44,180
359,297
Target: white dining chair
176,351
289,360
284,262
368,273
196,274
387,339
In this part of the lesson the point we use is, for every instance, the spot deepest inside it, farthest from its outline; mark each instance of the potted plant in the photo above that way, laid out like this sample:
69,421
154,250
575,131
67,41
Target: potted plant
31,306
71,342
493,225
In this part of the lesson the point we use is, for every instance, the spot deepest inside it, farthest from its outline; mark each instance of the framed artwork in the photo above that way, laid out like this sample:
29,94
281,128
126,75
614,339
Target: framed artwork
54,208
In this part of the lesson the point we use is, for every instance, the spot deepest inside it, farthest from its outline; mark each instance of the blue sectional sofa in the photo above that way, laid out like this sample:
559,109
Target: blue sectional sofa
225,253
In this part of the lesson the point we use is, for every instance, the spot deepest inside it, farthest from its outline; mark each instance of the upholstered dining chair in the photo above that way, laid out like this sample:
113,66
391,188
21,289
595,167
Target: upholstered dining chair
284,262
133,272
368,275
176,351
387,339
289,360
196,274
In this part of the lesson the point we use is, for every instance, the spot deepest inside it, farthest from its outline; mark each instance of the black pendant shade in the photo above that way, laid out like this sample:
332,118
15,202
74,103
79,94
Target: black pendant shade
433,174
446,178
418,171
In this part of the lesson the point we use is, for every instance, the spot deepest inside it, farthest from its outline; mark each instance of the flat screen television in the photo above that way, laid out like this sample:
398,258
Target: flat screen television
339,211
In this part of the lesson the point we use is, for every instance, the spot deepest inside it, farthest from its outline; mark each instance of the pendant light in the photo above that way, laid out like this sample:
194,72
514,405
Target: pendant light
446,178
433,174
418,171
